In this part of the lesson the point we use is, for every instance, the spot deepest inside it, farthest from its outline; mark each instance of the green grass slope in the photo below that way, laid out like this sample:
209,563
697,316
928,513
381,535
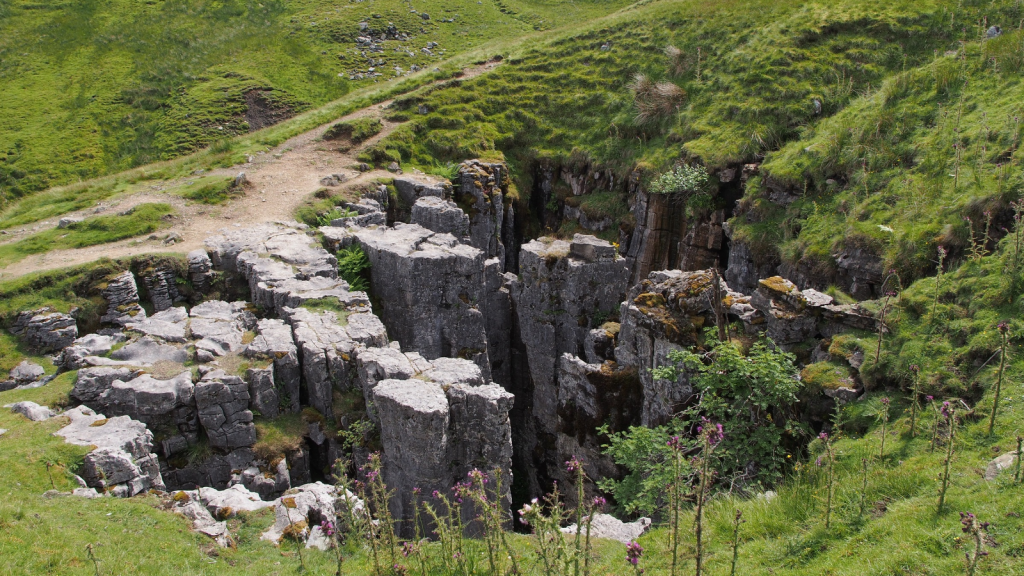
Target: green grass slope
91,88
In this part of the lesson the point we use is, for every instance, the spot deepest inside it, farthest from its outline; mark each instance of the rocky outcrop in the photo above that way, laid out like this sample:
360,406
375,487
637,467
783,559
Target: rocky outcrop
793,315
45,329
122,296
565,289
219,327
483,187
145,352
161,285
441,216
165,403
170,325
74,357
121,460
32,411
276,385
223,404
610,527
430,288
433,435
200,270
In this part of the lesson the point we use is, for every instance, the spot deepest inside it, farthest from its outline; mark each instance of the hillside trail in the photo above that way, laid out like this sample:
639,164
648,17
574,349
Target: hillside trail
279,180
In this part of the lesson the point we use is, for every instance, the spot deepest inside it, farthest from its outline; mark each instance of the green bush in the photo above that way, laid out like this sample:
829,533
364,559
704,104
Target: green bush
354,267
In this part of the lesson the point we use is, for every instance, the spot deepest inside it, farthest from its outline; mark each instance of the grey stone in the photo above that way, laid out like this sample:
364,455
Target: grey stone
375,365
45,329
147,399
610,527
219,326
122,296
413,187
450,371
228,503
429,285
993,31
168,325
146,352
200,270
93,382
274,342
223,404
997,465
309,503
121,460
484,186
27,372
32,411
202,521
600,344
161,284
69,221
440,215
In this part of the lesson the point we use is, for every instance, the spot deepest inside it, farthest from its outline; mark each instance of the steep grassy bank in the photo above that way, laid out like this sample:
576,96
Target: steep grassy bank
92,88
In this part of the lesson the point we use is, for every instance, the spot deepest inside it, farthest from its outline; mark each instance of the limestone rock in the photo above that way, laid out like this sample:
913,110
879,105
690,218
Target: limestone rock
27,372
310,504
200,270
274,342
148,399
168,325
93,382
146,352
223,404
122,296
430,287
1005,462
202,521
219,326
73,357
441,216
483,186
161,285
229,502
413,187
610,527
45,329
32,411
122,461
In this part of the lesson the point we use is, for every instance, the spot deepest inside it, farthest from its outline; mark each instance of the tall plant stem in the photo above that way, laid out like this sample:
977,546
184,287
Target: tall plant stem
999,380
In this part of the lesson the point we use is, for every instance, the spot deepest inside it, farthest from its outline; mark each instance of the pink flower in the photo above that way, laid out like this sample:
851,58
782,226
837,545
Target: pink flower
633,553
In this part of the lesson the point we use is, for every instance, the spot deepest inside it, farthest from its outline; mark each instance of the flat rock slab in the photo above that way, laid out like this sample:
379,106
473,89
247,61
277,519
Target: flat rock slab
146,352
610,527
32,411
997,465
87,428
169,325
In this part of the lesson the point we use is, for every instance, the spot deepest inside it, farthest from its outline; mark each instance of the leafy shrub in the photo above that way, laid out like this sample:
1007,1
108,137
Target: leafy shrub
354,267
326,218
681,179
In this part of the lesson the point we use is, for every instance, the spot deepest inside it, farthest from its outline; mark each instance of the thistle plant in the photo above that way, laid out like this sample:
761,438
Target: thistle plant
829,465
295,531
49,465
737,520
881,323
863,484
915,370
380,533
575,467
634,552
92,556
938,279
490,513
974,529
883,414
675,497
949,414
1018,228
710,435
552,548
935,420
350,523
1004,337
448,528
1020,453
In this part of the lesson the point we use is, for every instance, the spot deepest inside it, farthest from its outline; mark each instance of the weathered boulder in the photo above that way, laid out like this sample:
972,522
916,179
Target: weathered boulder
94,381
744,270
73,357
122,296
995,466
32,411
223,404
145,398
202,521
45,329
411,188
430,288
307,506
229,502
168,325
610,527
374,365
26,373
217,471
441,216
121,460
200,270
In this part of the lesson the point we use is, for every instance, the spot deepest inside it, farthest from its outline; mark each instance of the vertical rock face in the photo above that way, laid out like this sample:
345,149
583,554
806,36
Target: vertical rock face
167,404
496,305
160,284
792,315
45,329
434,434
200,270
744,271
565,289
122,296
223,403
665,312
278,385
430,287
664,238
483,186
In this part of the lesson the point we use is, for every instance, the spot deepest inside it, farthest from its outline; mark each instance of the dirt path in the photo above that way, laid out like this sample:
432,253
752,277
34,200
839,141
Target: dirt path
279,181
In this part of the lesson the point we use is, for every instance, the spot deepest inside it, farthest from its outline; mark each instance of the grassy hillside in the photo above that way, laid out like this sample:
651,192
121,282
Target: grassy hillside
90,88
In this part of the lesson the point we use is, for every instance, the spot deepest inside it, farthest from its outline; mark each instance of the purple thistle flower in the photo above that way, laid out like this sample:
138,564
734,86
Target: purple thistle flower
1003,326
823,436
885,400
599,502
407,549
633,553
818,462
573,465
929,397
327,528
